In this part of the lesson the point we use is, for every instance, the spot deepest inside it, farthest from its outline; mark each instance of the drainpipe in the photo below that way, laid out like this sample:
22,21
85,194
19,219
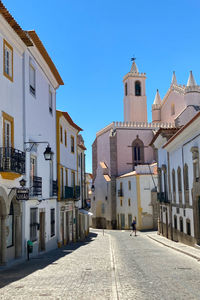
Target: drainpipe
24,137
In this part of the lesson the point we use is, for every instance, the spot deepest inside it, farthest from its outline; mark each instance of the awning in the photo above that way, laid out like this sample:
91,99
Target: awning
85,212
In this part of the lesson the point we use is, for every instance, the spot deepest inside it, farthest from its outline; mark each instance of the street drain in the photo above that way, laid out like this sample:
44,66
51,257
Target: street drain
19,287
182,268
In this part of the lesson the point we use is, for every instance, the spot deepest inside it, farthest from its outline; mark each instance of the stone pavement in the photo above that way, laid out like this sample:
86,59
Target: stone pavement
81,270
188,250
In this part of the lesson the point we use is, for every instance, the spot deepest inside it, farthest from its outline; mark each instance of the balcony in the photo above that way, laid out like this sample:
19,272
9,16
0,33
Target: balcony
120,193
72,193
12,160
36,188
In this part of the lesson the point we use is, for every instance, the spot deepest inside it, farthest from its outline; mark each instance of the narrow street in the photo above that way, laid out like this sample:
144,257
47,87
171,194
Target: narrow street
110,266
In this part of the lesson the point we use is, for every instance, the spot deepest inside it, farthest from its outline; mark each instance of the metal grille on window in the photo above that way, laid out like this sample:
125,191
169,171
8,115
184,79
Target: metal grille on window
33,224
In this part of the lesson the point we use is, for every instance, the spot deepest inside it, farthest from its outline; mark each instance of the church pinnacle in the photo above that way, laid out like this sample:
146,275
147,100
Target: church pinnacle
191,80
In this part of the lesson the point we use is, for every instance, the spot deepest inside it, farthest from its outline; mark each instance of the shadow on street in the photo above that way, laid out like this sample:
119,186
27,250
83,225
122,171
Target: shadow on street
24,269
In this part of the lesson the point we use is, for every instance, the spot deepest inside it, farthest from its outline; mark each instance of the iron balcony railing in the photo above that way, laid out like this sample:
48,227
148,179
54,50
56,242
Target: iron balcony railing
72,192
12,160
36,189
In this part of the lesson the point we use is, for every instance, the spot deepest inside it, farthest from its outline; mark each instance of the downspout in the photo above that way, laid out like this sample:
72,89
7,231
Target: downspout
24,149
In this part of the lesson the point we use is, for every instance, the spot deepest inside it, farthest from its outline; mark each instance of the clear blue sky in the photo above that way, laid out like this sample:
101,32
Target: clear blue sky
91,43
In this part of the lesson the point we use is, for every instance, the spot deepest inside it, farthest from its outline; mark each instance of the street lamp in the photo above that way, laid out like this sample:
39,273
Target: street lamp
48,154
22,182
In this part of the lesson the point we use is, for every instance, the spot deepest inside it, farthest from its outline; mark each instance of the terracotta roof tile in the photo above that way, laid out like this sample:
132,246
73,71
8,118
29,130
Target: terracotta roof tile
15,26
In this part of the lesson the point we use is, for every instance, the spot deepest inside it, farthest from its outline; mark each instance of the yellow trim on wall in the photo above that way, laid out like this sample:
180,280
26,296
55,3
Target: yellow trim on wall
9,175
6,44
10,119
139,221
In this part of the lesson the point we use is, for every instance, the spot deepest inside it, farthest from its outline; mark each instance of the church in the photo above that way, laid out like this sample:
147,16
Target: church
122,155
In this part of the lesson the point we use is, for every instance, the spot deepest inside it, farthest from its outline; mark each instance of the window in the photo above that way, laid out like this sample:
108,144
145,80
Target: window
172,109
66,177
8,61
61,134
121,202
73,179
32,79
179,179
195,158
61,183
129,202
52,222
174,185
33,171
79,160
175,222
126,89
137,88
50,101
129,185
10,225
33,224
8,130
72,144
137,152
65,138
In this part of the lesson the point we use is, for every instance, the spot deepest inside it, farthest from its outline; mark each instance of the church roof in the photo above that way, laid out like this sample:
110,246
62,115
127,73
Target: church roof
191,80
157,99
134,68
174,81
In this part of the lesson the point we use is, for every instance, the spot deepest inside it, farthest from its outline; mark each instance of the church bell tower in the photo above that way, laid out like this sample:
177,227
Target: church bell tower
135,102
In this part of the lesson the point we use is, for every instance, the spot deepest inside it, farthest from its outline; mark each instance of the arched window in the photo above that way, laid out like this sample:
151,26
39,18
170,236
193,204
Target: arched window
126,89
179,179
186,181
137,152
173,181
137,88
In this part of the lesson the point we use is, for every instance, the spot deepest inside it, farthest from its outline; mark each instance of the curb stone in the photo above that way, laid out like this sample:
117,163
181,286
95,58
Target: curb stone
175,248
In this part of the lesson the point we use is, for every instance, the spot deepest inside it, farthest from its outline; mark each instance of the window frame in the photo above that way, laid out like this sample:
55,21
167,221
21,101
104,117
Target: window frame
61,134
50,101
7,45
65,136
32,89
33,225
72,146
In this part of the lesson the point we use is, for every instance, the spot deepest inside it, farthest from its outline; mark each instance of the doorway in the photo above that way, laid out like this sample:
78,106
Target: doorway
42,232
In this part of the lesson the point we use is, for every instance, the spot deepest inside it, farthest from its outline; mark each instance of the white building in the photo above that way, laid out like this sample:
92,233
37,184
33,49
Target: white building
71,183
134,198
28,83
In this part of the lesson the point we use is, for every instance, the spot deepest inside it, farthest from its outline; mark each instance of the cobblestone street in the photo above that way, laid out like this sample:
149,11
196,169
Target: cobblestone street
110,266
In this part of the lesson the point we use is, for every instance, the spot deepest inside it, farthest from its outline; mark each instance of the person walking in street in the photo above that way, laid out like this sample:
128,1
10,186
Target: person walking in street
133,227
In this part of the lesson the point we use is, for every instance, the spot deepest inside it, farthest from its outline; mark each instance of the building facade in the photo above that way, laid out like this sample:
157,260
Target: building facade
28,74
120,147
